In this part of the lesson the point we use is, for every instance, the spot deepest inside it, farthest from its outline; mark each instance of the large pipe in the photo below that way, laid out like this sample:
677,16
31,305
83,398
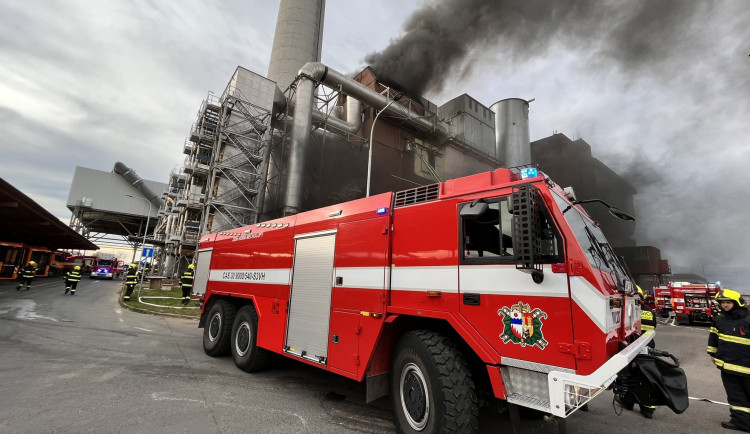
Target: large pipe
512,143
133,178
303,115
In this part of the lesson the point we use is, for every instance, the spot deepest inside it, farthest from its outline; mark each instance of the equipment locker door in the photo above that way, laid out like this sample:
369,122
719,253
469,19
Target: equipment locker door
310,299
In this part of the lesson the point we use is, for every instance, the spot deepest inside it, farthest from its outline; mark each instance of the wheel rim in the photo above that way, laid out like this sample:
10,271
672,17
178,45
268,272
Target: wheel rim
415,399
214,327
242,340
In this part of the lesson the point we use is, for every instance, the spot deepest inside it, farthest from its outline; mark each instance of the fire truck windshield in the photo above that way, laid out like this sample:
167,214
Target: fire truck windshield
598,251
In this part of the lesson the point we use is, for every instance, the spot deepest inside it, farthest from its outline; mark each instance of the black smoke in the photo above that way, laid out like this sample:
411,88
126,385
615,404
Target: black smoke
443,39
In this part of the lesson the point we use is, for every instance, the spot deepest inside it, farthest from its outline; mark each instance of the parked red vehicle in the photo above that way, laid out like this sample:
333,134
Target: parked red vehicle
104,267
692,302
498,281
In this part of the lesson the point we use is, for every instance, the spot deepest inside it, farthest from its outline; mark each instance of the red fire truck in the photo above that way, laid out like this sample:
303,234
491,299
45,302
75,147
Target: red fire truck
493,283
104,266
692,302
662,300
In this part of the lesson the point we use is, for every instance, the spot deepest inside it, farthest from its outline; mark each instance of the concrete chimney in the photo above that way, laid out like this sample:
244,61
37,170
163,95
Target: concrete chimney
298,39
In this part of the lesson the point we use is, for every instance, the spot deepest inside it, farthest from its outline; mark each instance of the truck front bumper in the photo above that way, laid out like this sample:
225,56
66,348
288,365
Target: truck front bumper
568,392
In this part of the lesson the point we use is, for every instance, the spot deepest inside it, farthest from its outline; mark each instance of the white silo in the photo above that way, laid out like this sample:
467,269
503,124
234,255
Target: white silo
298,39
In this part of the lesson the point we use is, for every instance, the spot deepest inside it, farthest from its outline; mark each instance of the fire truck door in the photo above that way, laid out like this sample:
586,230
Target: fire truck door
310,299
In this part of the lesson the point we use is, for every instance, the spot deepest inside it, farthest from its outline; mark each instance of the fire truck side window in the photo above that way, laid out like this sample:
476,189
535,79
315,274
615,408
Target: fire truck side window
489,238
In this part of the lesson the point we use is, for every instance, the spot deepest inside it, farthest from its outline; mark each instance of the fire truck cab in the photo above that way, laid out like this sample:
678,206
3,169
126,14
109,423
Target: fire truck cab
494,283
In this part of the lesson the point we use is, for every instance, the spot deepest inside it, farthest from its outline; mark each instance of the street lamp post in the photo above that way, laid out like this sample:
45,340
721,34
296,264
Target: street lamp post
369,157
145,231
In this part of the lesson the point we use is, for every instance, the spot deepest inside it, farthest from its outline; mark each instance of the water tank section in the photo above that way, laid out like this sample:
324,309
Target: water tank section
298,39
512,131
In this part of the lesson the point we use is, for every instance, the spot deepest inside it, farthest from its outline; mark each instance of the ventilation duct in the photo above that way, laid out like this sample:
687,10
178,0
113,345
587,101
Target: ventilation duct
304,114
136,181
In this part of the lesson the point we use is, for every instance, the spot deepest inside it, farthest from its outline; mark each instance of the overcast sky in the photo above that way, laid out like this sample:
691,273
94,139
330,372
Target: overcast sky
660,89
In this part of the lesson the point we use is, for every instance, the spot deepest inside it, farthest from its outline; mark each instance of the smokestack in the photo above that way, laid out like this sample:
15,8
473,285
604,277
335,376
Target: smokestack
297,40
512,145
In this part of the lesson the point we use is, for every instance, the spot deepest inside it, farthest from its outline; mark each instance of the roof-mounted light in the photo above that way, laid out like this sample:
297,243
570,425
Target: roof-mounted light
529,172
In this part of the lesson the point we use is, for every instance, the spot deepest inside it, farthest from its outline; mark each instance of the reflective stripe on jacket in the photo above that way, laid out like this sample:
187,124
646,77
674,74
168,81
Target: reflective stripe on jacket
729,341
73,276
648,320
187,278
132,276
28,271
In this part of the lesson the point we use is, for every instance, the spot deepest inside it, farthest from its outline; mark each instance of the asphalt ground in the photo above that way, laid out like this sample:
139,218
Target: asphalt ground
84,363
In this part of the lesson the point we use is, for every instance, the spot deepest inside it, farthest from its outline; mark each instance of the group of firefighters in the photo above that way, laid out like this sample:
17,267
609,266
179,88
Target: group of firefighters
72,277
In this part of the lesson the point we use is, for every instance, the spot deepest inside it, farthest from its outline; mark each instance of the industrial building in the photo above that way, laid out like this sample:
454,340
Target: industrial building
306,136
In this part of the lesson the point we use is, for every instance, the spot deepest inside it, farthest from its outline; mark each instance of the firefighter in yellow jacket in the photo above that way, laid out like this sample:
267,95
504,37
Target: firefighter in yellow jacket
27,275
186,281
131,278
71,280
729,348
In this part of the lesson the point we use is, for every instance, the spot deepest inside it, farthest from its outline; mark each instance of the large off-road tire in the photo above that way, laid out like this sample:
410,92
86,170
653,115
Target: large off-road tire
431,386
217,333
247,355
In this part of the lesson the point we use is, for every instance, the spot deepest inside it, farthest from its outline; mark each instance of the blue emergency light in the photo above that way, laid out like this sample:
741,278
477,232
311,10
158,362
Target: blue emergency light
382,210
529,172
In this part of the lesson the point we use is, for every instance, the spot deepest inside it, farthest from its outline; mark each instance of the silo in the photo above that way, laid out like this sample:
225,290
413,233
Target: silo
298,39
512,144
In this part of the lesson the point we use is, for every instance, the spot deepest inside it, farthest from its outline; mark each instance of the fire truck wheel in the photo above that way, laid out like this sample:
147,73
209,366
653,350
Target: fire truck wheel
247,355
218,330
431,386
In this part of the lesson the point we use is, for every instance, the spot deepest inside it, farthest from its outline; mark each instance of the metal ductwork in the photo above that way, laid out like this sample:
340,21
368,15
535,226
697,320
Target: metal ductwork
512,144
133,178
304,114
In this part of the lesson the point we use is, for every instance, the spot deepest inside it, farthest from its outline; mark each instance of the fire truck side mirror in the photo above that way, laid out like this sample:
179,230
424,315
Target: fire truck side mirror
474,210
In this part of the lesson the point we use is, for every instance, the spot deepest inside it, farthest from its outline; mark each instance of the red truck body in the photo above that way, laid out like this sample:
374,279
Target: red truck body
662,300
692,302
527,289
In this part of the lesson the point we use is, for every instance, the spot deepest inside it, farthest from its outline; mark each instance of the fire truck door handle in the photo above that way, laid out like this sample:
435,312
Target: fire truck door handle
335,339
339,280
471,299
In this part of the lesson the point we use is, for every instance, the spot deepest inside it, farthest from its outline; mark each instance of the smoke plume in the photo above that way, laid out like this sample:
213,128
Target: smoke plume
444,38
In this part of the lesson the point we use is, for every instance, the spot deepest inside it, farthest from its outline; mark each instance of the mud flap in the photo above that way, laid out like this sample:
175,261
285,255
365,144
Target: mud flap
652,379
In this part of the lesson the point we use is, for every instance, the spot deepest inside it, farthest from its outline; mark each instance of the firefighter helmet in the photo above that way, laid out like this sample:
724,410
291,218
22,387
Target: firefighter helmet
77,267
132,265
191,267
729,295
640,292
32,263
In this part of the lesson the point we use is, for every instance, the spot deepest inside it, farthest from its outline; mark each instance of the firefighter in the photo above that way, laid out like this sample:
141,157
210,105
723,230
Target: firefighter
648,322
648,319
131,278
27,274
72,278
186,281
729,348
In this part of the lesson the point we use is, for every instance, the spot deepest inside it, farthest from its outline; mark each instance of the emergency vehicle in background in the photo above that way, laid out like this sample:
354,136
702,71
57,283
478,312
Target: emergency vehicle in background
692,302
662,300
496,284
86,262
104,266
14,256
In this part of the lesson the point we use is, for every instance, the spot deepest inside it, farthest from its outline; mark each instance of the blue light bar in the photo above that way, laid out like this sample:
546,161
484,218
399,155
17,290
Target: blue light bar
382,210
529,172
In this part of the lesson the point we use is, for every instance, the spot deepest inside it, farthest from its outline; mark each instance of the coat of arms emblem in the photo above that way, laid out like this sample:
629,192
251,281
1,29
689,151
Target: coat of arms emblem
523,325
